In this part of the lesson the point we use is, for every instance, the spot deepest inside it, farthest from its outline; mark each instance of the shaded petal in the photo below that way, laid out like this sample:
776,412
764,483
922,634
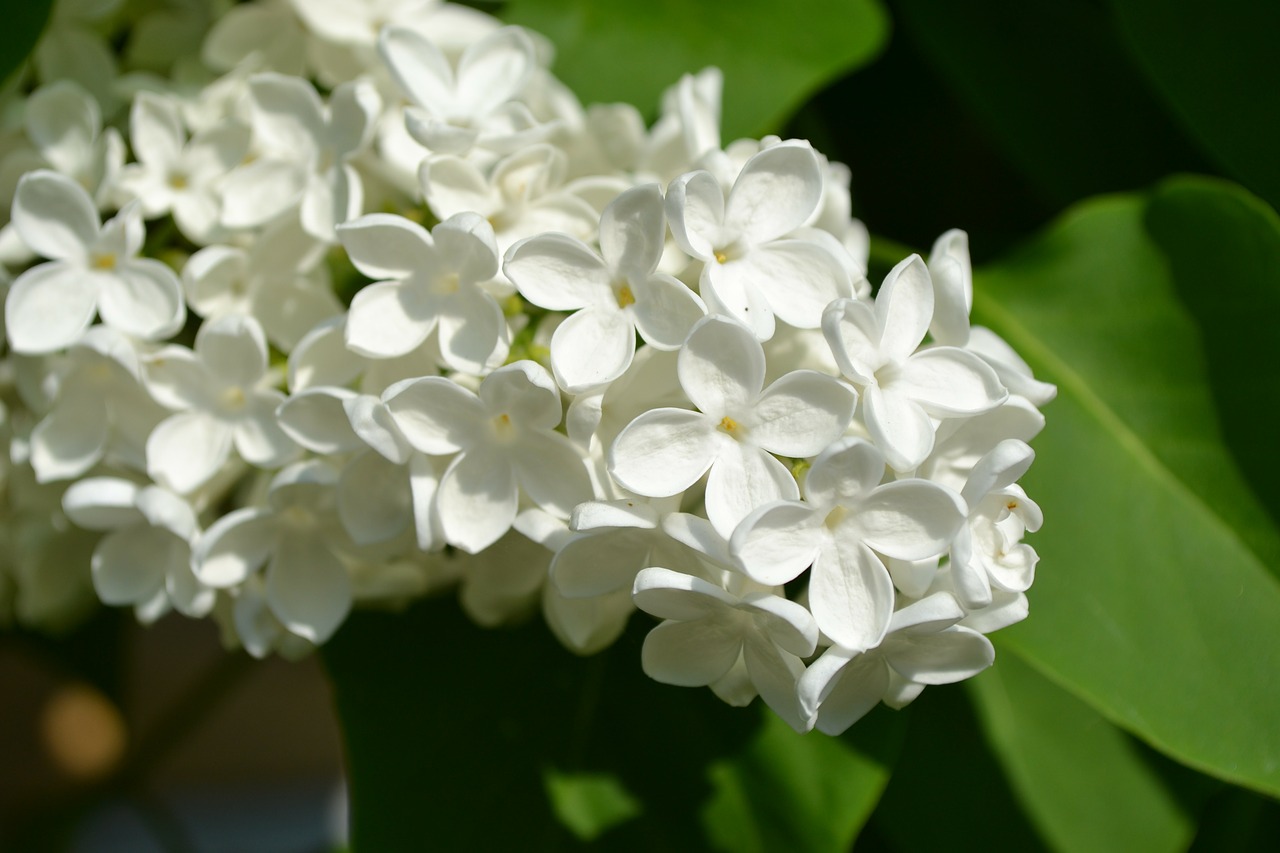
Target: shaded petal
695,212
601,562
315,418
952,277
742,479
54,215
71,438
909,519
287,114
49,307
472,331
854,337
721,367
663,452
673,595
777,542
777,190
155,131
802,413
437,415
843,690
904,307
551,471
467,246
258,437
374,500
308,588
851,594
234,547
775,673
477,500
633,232
691,654
234,349
102,503
898,426
525,391
130,565
950,655
593,347
950,381
452,185
177,378
144,299
187,449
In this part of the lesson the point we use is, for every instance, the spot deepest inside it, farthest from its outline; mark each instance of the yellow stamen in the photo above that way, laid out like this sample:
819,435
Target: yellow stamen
721,257
105,261
625,297
728,424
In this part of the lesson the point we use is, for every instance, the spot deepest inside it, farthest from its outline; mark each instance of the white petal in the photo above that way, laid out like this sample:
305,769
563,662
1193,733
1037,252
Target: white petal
949,381
948,656
777,542
144,299
419,68
353,109
388,319
308,588
904,307
558,272
663,452
998,469
234,547
155,131
49,307
287,114
438,416
452,185
898,426
234,349
71,438
854,337
695,212
477,500
778,189
774,673
665,311
177,378
371,419
847,470
928,615
472,331
374,501
258,437
321,358
101,503
315,418
494,70
525,391
130,565
742,479
633,231
424,485
593,347
851,594
690,654
952,276
467,246
737,296
721,367
787,624
551,472
259,192
797,278
54,215
801,413
910,519
843,690
600,562
383,245
673,595
186,450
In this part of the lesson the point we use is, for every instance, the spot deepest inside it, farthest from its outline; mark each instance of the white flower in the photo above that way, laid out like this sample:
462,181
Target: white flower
615,294
924,646
472,104
708,629
433,284
307,587
751,273
64,122
94,268
901,387
506,444
174,174
308,146
846,515
222,400
736,428
145,559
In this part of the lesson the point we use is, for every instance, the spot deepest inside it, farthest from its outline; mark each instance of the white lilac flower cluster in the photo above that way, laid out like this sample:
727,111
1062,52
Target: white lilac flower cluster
589,366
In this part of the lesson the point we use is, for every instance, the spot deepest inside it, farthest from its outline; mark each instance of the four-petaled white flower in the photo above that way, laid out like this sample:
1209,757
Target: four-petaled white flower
738,426
93,268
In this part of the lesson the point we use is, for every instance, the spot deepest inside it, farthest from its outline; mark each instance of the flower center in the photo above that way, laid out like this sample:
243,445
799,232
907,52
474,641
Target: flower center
233,398
625,296
104,261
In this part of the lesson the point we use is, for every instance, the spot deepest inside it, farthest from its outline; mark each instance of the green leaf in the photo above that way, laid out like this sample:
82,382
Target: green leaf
1218,72
1079,778
774,55
787,791
23,24
1055,88
463,738
947,792
588,804
1223,246
1153,601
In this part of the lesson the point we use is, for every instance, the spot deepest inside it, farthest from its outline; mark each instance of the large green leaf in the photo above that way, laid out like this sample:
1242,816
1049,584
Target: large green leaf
801,792
1079,778
23,24
1055,88
1216,66
1223,246
1153,600
774,55
462,738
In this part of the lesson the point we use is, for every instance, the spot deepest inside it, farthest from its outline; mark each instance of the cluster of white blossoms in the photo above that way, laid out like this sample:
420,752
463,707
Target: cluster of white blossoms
365,305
